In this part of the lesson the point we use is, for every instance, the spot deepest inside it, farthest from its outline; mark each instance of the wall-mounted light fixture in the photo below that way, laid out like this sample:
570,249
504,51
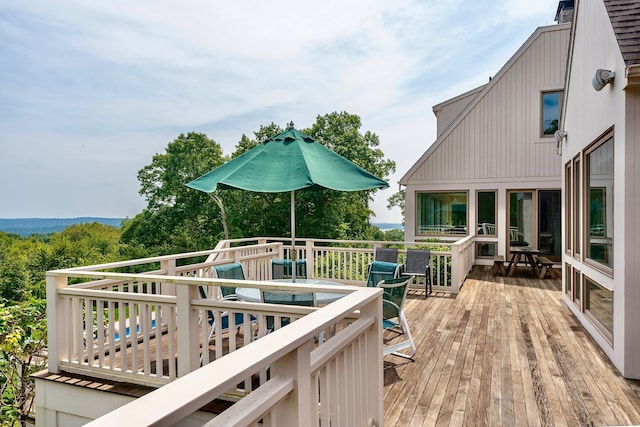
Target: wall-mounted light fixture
601,78
559,135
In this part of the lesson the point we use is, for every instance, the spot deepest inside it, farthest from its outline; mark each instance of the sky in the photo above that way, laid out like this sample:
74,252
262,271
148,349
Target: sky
90,91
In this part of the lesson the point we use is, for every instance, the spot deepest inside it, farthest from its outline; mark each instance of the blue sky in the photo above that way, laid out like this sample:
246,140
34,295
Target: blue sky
90,91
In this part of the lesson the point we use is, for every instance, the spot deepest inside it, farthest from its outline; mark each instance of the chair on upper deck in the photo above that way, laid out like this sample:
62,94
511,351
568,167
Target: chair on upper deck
305,299
386,254
229,271
418,263
226,321
395,292
381,270
281,269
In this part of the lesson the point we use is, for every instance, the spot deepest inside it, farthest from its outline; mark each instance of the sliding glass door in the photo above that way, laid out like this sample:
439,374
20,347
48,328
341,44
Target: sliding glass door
534,220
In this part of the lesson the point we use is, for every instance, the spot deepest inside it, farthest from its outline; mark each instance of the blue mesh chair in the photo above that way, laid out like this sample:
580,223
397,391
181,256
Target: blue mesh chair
238,318
306,299
229,271
281,269
393,318
381,270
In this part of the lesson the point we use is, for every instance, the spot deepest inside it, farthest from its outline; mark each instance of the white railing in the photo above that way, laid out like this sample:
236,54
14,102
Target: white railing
338,383
152,328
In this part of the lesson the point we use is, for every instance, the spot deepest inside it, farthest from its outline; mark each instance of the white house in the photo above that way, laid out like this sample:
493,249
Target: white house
493,170
600,154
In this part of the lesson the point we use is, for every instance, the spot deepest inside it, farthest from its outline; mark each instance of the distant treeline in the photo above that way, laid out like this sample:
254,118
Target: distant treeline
29,226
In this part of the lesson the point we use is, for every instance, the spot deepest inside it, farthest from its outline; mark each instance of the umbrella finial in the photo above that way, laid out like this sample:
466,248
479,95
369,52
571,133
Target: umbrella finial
290,125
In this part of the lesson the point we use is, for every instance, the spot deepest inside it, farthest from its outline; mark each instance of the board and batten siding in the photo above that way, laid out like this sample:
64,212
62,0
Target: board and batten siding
498,135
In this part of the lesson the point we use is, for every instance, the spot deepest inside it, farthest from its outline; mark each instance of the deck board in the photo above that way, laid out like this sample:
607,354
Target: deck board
504,351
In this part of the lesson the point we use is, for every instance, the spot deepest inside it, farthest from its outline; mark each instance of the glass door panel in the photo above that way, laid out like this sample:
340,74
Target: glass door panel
521,218
549,238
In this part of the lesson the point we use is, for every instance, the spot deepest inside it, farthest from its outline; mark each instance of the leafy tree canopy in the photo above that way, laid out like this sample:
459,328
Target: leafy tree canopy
178,218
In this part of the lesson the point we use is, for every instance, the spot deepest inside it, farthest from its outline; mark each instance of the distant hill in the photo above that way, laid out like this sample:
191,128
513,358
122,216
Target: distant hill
386,226
28,226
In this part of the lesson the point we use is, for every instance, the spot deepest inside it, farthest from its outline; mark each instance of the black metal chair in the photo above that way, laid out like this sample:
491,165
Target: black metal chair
386,254
418,263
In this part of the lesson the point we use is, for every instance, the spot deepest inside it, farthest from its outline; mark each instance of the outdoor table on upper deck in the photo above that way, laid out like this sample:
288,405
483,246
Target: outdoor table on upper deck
253,294
516,255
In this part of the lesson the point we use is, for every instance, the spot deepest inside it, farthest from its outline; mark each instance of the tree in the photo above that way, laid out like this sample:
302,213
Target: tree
22,343
177,218
397,200
322,213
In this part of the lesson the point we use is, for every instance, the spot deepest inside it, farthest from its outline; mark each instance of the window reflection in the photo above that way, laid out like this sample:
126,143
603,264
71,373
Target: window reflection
599,193
442,213
550,112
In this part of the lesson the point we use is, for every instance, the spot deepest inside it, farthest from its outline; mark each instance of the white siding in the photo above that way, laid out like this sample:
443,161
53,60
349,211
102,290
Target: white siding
498,135
589,113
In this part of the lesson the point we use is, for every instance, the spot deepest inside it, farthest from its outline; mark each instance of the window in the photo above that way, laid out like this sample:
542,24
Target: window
568,212
551,102
487,213
599,202
598,302
568,276
441,213
577,288
576,207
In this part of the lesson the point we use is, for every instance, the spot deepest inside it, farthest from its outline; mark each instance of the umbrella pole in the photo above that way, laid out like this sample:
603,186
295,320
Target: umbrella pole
293,236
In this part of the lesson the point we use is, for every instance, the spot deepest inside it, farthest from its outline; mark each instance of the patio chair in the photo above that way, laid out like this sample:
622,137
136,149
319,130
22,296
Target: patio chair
386,254
418,264
488,229
395,291
238,318
305,299
229,271
380,270
281,269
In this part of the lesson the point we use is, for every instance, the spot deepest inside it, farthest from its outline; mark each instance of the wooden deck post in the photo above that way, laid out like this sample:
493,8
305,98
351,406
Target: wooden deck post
296,410
56,325
187,331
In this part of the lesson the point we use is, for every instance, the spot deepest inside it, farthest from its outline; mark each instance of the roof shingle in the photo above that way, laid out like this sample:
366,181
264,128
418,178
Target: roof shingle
625,19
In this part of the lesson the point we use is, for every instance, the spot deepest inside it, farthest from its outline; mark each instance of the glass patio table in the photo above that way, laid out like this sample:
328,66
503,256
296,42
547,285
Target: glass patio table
253,294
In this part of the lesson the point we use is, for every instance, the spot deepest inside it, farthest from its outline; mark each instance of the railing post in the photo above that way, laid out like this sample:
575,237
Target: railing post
310,258
168,265
455,268
187,330
298,409
56,330
374,390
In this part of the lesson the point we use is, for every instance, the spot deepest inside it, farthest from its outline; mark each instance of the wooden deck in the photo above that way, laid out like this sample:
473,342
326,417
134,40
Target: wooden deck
504,351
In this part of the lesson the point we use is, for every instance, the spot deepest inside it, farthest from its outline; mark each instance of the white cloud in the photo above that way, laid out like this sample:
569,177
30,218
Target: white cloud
89,91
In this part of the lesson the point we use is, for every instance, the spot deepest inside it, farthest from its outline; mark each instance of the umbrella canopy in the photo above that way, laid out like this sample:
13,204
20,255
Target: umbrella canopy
288,161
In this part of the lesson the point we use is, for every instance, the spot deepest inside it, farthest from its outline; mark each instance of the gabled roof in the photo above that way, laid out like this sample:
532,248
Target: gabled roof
625,19
484,90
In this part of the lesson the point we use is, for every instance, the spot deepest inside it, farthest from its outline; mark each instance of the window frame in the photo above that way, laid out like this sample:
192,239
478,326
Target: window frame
541,129
440,232
607,136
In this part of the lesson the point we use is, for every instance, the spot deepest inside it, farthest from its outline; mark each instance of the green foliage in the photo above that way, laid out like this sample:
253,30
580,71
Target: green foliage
177,218
22,345
320,213
180,219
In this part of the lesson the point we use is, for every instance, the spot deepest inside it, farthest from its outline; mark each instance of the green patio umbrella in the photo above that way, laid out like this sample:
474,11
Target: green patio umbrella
289,161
